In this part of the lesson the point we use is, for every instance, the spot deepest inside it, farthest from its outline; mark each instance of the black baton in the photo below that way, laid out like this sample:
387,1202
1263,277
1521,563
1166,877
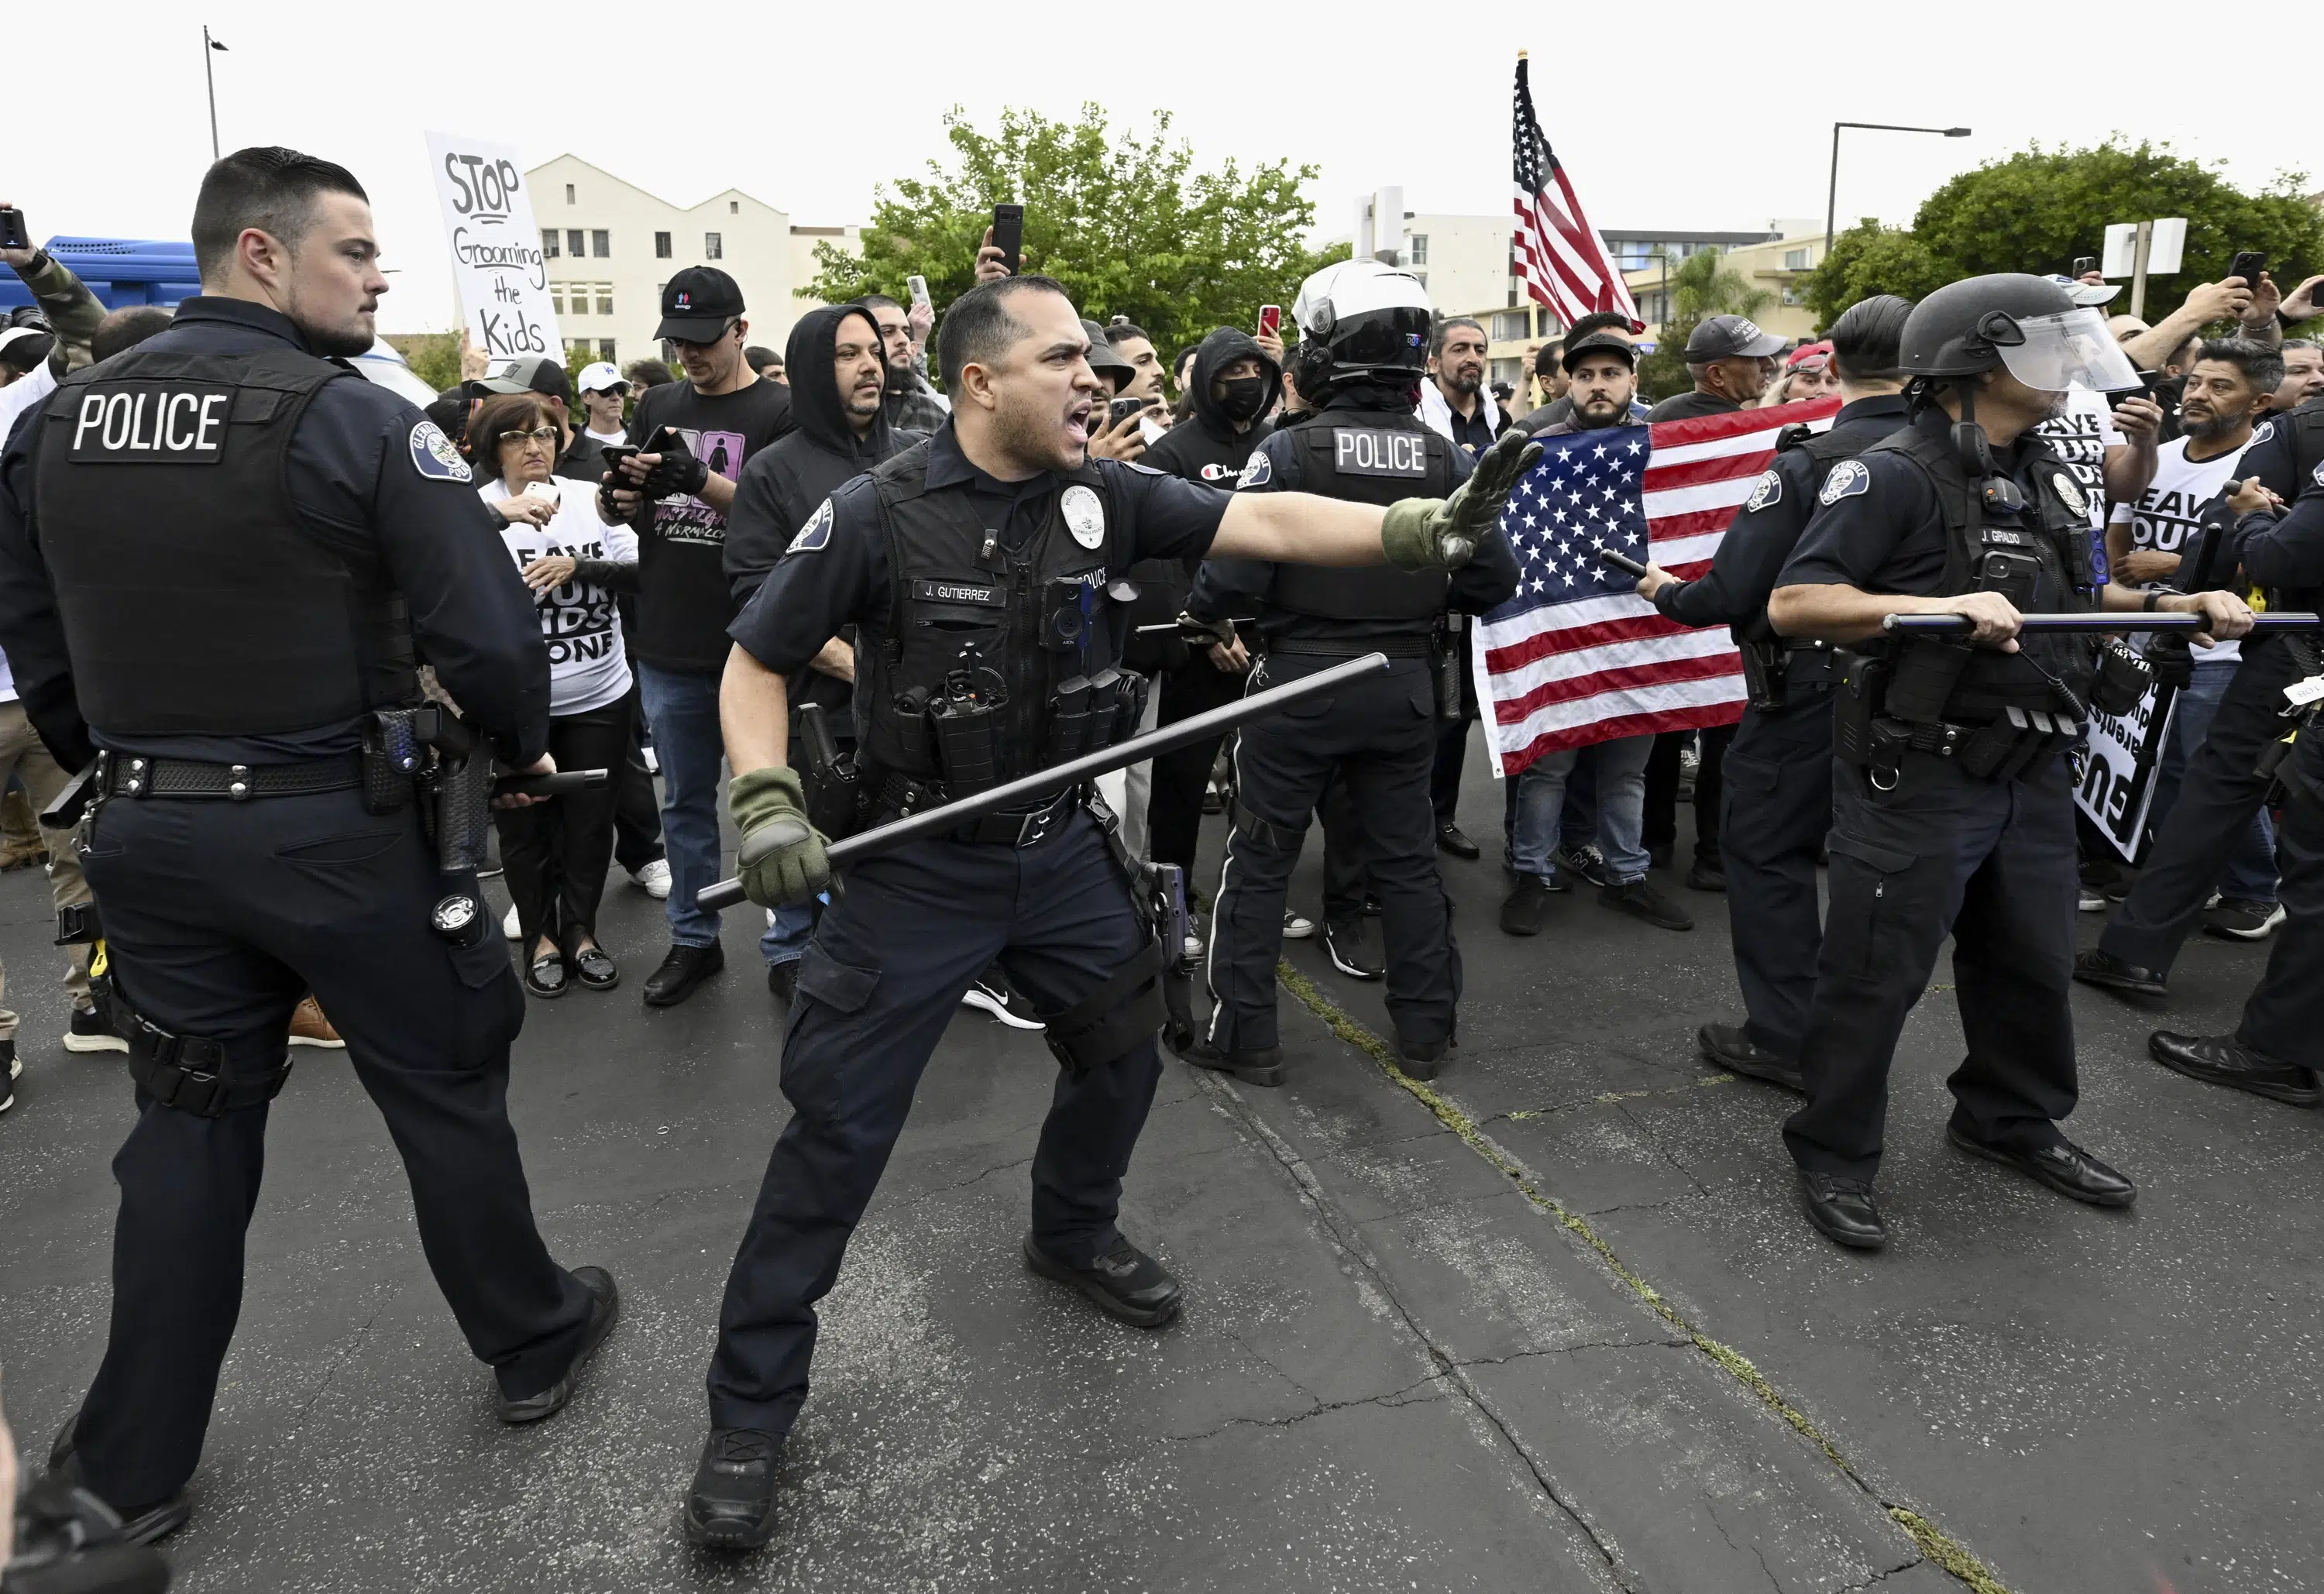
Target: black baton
1955,624
1622,562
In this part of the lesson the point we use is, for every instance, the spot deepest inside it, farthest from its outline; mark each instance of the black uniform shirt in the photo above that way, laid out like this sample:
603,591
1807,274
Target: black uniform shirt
1761,537
2271,457
354,483
2286,551
836,571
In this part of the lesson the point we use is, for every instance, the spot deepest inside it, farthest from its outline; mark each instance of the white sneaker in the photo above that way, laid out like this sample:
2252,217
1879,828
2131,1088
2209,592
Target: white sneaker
508,925
1296,926
2091,901
653,761
653,880
992,993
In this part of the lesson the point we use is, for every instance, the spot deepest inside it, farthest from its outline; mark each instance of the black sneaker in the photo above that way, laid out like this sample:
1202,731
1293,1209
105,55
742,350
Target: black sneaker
682,969
1521,912
91,1031
1349,941
1706,877
605,1311
992,992
1125,1282
2109,972
1262,1066
11,1070
1583,862
2243,919
1642,901
782,980
1423,1059
732,1504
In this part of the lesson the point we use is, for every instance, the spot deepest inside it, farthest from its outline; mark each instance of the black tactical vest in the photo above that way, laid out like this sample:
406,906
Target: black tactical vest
1368,458
967,615
2054,530
2307,424
194,600
1842,440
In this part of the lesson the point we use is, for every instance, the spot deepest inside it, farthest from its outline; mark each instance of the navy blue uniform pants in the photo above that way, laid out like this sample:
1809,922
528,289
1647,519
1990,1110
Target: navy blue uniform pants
1379,735
879,982
2284,1018
1777,809
218,916
1990,862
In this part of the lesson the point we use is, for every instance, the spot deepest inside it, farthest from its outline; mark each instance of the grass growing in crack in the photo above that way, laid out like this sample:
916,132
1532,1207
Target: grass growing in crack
1933,1543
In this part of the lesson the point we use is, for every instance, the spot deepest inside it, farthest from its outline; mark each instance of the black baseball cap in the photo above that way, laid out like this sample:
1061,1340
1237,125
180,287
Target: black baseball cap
1591,345
697,304
535,373
1728,337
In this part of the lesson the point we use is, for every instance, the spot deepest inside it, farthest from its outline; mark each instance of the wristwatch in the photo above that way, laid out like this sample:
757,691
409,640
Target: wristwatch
2155,594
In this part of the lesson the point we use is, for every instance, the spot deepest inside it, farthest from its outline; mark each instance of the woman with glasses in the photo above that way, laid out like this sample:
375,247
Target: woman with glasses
555,854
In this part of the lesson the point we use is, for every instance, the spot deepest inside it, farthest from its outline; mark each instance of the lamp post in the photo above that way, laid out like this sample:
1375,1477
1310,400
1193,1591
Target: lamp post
1832,196
210,79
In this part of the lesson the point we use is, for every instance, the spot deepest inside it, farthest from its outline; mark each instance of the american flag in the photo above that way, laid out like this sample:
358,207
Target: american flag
1577,656
1559,256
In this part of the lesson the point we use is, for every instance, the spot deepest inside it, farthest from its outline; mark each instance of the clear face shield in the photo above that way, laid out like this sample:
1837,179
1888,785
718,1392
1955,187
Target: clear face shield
2071,349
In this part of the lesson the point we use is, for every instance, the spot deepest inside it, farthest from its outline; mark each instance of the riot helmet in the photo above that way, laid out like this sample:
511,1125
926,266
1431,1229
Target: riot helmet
1360,320
2026,324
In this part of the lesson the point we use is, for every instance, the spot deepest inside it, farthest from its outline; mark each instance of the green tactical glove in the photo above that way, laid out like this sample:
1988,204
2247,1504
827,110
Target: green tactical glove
1440,533
781,858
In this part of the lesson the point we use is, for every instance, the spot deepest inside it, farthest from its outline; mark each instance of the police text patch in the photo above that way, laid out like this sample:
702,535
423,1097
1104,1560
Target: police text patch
153,423
1360,451
816,532
1847,479
1768,489
434,457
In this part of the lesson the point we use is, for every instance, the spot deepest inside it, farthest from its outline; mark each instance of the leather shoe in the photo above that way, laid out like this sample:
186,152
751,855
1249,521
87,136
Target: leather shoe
544,977
1728,1047
1261,1066
1706,877
1842,1209
595,969
1421,1059
142,1524
1125,1282
2218,1060
684,968
1451,838
605,1311
2109,972
732,1504
2065,1168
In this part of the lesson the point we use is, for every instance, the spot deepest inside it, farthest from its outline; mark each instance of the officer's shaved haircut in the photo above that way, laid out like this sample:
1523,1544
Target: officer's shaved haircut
273,190
978,327
1866,338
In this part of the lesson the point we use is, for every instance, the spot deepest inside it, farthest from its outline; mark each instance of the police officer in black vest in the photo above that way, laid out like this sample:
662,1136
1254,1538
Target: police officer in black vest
1776,805
983,572
1952,807
1363,349
218,549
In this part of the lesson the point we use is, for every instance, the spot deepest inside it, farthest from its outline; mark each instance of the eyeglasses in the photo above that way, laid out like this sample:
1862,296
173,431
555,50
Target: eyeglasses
546,436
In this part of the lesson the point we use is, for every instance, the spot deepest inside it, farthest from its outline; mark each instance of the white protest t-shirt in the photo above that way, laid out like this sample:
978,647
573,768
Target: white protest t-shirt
2170,509
579,620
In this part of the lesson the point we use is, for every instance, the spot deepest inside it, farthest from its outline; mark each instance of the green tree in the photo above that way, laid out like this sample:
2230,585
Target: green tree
2038,209
434,356
1701,286
1125,221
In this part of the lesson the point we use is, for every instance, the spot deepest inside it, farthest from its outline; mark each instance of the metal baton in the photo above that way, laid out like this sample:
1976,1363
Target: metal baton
1954,624
1047,783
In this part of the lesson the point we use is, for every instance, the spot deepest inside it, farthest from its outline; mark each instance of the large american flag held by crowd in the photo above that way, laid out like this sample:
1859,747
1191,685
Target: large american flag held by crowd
1558,254
1577,656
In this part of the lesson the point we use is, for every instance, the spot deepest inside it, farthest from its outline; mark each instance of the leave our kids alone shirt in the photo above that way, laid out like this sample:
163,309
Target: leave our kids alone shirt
579,620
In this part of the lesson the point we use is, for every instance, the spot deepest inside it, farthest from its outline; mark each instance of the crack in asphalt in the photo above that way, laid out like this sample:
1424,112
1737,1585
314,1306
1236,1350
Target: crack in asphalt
1711,1510
1878,1578
1664,1151
998,1167
1394,1398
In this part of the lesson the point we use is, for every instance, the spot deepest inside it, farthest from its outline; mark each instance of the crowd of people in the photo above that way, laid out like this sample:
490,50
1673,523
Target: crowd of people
767,564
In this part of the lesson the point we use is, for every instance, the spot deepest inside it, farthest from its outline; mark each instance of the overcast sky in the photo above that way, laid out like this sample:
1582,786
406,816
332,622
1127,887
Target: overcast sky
1681,120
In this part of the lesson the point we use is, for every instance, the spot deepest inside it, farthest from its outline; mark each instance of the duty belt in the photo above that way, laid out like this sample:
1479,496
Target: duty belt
1021,827
1395,647
134,775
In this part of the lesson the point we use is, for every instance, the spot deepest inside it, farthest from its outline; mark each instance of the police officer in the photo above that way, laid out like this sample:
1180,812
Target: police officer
224,545
982,570
1951,805
1362,354
1777,801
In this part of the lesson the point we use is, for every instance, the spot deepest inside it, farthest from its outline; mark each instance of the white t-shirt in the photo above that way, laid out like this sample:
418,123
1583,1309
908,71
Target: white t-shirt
2170,508
605,437
2081,437
580,621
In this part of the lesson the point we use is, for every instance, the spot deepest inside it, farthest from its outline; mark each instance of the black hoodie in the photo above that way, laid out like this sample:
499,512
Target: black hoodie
1204,447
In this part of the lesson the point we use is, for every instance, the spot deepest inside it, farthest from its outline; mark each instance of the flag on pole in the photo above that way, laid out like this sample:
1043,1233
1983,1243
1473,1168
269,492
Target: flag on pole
1576,656
1560,258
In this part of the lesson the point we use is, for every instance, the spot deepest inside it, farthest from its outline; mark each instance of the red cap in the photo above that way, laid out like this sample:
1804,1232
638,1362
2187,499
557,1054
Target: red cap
1810,356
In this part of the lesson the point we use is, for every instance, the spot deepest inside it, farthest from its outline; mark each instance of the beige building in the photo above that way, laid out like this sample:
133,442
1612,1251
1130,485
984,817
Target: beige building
1775,265
611,245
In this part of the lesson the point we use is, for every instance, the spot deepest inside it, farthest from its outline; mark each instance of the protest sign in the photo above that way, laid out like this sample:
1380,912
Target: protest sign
496,255
2115,779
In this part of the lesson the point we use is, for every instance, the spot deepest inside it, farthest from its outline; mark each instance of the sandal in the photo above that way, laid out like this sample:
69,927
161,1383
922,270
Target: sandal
595,969
545,978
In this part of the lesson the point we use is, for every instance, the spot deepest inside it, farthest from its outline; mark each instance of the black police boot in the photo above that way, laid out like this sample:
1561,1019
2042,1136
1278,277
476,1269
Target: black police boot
684,968
1125,1282
732,1504
140,1524
1729,1046
1451,838
1423,1059
782,980
1706,876
2065,1168
2109,972
605,1311
1842,1209
2218,1060
1261,1066
1348,938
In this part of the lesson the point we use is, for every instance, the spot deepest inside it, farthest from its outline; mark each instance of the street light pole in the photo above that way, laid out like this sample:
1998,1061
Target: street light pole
210,79
1831,194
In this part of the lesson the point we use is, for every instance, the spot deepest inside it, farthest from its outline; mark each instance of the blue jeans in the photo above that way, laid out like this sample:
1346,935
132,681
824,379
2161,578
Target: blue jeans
1621,768
1577,825
682,705
2249,872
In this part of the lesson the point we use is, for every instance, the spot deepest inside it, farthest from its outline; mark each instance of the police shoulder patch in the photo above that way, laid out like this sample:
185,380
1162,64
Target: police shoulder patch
2317,475
434,457
1848,478
1768,489
1259,472
816,532
2266,429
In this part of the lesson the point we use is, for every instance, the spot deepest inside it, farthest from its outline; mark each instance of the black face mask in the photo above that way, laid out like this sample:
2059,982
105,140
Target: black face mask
1246,397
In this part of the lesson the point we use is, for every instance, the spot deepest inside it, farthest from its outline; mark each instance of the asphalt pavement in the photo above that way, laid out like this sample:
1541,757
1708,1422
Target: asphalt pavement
1553,1323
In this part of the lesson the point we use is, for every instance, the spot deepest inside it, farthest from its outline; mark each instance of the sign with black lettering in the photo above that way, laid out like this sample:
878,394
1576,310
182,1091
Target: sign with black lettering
1358,451
152,423
497,259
